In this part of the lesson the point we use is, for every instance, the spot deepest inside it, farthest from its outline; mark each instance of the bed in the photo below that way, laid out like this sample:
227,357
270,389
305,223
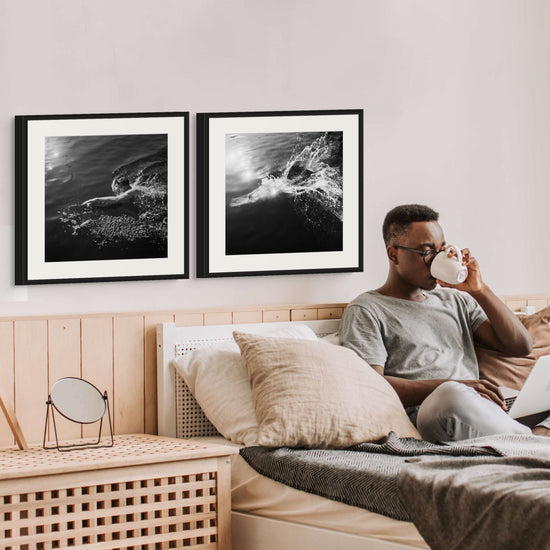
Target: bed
268,514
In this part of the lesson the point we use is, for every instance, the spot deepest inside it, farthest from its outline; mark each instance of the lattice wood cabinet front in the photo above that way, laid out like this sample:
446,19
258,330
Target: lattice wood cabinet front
144,493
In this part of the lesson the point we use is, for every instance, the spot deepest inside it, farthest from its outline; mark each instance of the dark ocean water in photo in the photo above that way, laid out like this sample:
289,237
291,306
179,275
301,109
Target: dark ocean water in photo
283,192
106,197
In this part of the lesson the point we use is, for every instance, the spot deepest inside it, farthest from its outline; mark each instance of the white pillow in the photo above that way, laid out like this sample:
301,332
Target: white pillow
332,338
217,378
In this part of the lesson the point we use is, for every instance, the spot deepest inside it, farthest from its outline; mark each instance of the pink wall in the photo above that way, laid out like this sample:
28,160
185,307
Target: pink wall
456,115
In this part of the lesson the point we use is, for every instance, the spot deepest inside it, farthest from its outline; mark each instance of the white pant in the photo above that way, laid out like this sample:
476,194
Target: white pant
454,411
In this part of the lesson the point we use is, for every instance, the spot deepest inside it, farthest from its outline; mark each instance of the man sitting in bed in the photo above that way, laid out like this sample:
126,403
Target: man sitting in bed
421,337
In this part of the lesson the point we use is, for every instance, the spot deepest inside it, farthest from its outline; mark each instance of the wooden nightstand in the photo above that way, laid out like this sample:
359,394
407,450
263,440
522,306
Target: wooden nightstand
145,492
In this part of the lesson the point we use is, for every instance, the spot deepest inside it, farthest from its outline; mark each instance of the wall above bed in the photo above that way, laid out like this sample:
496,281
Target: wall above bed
455,115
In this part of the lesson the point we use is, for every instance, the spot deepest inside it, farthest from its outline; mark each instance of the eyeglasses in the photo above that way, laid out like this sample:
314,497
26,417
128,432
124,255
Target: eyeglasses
427,255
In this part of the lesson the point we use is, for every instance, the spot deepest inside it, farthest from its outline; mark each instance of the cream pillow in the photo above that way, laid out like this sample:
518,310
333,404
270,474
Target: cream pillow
315,394
332,338
218,381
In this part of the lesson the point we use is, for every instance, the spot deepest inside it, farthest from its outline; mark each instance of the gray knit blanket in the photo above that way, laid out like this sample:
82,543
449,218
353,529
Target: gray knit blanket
364,475
497,504
458,495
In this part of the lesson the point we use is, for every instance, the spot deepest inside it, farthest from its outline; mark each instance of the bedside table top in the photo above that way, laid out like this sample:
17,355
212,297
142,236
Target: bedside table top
128,450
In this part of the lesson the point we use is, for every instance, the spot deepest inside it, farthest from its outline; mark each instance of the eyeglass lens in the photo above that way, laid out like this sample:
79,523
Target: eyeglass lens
430,255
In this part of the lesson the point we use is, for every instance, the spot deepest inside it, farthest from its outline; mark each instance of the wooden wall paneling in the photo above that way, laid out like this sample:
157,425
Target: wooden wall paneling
330,313
218,318
6,379
304,314
150,379
31,377
539,303
117,355
515,304
129,373
64,360
247,317
189,319
275,316
97,362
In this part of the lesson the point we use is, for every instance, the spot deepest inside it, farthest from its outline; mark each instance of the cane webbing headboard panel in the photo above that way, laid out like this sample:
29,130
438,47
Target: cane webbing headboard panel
179,413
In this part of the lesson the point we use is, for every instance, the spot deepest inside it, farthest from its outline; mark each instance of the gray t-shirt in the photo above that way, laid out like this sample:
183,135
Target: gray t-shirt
415,340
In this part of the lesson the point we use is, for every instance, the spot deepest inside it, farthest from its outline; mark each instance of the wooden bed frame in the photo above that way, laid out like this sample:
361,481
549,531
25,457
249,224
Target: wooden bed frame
250,532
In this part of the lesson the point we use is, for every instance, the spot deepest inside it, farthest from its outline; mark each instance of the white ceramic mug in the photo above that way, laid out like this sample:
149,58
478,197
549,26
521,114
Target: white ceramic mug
449,269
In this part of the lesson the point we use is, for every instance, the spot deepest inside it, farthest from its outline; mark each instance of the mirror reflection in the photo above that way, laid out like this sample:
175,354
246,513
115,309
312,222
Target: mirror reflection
78,400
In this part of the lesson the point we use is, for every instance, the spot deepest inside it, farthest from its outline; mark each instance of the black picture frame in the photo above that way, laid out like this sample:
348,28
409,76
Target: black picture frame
101,197
279,192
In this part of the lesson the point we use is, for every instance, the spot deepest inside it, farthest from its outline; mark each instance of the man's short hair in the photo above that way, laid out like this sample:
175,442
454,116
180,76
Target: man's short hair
398,220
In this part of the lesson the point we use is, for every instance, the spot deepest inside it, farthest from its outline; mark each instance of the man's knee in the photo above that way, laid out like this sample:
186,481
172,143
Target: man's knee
439,415
447,398
455,411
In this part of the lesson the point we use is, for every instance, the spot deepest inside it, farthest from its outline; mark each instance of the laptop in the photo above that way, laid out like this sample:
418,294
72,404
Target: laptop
534,396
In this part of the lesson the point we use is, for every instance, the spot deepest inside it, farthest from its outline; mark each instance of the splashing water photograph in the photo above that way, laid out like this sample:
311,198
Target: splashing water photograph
279,192
102,197
288,186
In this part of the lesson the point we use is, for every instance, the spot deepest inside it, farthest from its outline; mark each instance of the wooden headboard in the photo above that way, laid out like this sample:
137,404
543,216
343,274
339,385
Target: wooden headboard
117,353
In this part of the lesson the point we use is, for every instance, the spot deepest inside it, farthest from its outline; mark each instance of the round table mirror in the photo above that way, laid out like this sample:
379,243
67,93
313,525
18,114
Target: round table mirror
78,400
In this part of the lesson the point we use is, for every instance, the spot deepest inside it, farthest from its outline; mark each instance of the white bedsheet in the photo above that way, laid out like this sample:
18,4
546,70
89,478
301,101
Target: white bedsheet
253,493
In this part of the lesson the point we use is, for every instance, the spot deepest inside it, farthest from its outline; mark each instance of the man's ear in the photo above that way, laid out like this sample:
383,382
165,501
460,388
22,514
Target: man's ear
392,254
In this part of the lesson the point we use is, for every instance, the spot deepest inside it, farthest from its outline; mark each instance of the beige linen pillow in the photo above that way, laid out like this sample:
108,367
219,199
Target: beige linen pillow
315,394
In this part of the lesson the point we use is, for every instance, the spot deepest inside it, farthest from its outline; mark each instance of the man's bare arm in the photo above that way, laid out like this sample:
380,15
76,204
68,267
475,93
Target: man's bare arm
413,392
502,331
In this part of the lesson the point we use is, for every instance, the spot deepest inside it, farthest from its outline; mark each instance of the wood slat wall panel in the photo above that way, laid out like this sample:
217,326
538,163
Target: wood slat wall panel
247,317
6,378
516,304
150,410
31,377
129,372
118,354
539,303
64,360
97,360
189,319
218,318
330,313
304,314
275,316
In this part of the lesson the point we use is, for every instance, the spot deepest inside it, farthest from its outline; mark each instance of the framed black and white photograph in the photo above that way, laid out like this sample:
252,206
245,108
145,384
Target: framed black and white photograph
101,197
279,192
